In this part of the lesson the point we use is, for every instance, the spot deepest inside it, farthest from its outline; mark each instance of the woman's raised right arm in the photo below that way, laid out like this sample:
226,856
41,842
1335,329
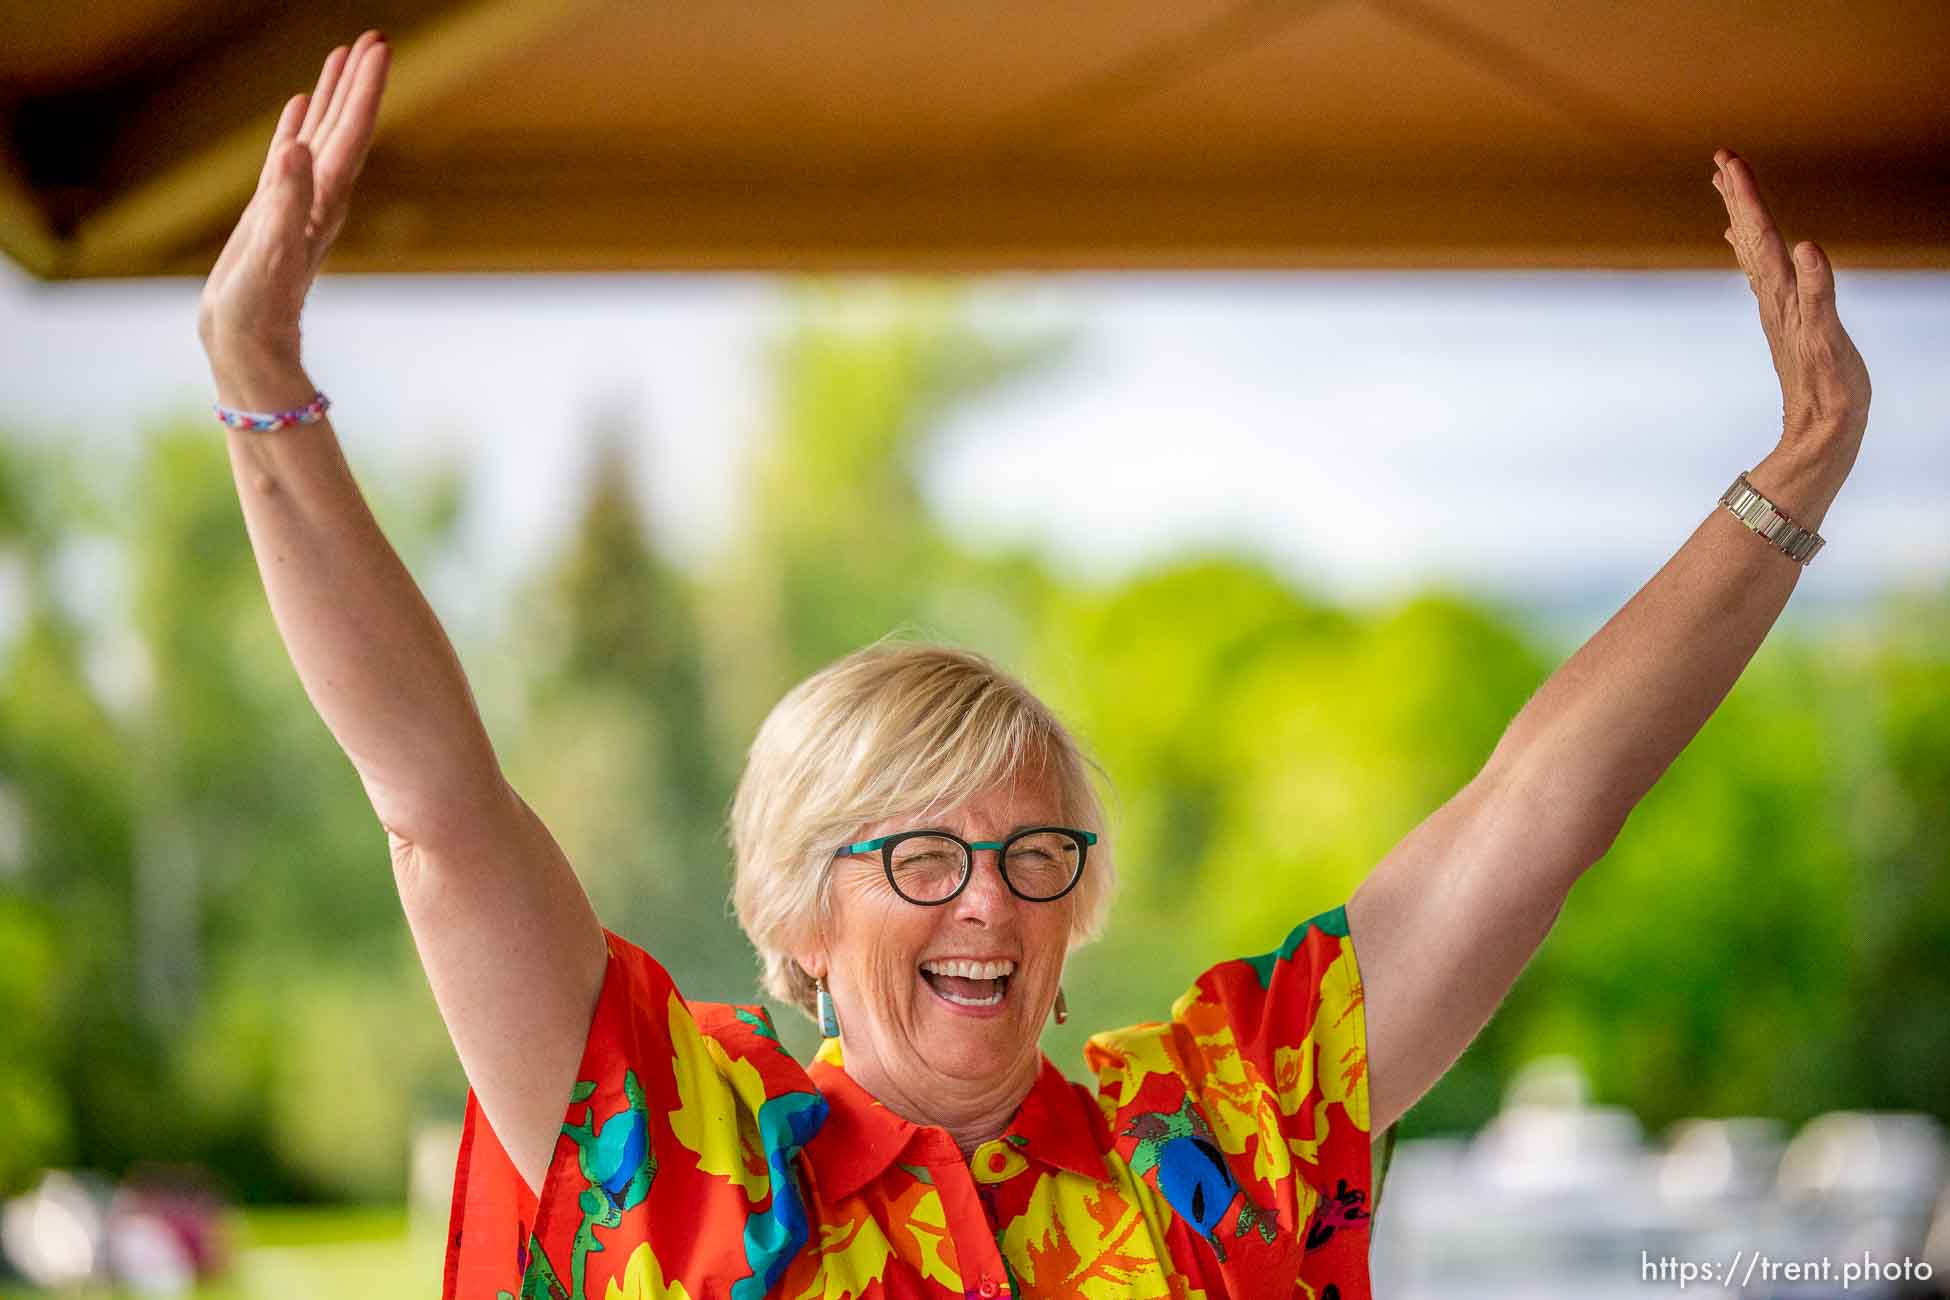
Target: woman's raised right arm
513,952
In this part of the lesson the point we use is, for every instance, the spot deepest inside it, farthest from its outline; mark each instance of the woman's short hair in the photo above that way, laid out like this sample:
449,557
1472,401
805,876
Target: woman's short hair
893,727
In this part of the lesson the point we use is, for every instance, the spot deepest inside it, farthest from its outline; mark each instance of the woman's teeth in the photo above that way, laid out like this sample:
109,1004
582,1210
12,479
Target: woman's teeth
967,969
962,1001
969,983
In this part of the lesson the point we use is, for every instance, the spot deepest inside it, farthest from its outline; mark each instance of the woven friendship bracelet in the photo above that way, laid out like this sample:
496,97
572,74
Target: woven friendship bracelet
257,422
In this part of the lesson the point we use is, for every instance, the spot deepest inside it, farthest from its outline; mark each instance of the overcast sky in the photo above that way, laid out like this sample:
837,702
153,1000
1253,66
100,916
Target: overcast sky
1550,438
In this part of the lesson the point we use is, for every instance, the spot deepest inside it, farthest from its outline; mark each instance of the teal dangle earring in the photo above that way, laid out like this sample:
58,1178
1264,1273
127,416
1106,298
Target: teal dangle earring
1062,1006
829,1017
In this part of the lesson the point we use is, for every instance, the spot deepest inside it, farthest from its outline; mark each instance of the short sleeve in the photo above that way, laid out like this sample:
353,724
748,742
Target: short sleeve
675,1171
1248,1109
499,1231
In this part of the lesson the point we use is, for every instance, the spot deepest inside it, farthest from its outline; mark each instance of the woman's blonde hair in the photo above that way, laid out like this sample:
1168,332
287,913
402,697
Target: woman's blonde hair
893,727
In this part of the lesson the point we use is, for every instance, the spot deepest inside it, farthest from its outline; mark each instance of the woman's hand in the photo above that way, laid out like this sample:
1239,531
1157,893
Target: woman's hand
1824,384
248,315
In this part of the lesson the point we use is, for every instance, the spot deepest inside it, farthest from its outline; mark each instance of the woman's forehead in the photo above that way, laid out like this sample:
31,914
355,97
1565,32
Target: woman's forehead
1026,799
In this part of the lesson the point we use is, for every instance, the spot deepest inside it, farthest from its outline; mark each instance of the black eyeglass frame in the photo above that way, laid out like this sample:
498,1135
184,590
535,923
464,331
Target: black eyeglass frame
886,843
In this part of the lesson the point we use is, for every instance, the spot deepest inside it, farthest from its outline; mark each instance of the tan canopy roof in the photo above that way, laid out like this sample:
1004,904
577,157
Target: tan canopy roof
976,134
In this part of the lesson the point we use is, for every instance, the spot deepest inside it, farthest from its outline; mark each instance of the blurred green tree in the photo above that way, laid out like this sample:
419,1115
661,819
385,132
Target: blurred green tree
1268,748
838,544
620,751
1896,815
207,854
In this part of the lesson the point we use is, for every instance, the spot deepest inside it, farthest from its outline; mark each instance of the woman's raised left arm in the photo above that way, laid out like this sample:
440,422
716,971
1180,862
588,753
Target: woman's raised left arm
1446,922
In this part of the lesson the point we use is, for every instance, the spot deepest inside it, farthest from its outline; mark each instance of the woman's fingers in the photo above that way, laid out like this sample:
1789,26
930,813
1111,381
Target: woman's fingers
267,178
361,50
340,149
1814,282
291,119
321,95
1763,255
284,227
342,152
287,129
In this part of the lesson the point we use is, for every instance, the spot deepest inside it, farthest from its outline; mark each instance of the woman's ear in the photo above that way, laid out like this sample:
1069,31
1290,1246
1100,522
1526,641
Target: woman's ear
809,947
810,954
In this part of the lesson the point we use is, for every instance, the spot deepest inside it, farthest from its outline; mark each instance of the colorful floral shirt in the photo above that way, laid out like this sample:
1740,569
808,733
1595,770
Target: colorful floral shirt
1224,1152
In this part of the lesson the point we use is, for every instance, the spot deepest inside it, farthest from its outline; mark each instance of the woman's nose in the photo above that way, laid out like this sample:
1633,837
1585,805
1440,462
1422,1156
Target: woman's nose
986,893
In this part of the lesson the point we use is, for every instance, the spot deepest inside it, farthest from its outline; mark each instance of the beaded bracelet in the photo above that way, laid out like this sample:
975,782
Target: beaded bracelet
254,422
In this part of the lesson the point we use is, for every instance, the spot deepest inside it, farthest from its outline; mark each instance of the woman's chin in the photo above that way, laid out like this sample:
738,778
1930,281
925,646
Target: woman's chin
972,1042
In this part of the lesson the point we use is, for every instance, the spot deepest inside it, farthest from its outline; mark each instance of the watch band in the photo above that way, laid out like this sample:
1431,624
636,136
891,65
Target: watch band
1765,518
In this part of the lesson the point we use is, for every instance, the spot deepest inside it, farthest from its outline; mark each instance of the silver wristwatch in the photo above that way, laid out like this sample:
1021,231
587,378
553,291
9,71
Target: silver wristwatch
1765,518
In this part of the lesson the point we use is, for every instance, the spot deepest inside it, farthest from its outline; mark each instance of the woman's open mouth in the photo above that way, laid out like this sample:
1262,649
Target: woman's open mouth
966,983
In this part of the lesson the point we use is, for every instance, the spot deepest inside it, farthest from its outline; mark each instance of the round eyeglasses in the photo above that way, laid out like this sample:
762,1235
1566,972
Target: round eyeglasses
931,867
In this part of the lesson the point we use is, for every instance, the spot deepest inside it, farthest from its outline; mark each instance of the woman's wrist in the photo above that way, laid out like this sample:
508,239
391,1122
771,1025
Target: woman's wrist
1803,478
262,382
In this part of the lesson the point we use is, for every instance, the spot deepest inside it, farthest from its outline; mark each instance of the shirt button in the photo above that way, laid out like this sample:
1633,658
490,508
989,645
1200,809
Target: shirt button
988,1290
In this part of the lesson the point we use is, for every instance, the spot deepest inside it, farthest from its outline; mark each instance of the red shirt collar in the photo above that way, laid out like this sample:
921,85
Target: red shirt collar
1057,1125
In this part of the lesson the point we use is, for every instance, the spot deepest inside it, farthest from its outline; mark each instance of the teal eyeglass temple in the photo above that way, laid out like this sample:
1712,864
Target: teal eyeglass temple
868,846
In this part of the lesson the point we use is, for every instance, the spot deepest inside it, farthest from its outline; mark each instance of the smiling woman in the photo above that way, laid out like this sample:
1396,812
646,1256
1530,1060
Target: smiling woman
888,741
931,1146
623,1141
882,742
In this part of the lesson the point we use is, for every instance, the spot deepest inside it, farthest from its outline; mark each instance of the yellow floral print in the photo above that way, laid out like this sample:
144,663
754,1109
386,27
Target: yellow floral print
719,1097
852,1255
926,1224
1078,1240
643,1279
1339,1039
